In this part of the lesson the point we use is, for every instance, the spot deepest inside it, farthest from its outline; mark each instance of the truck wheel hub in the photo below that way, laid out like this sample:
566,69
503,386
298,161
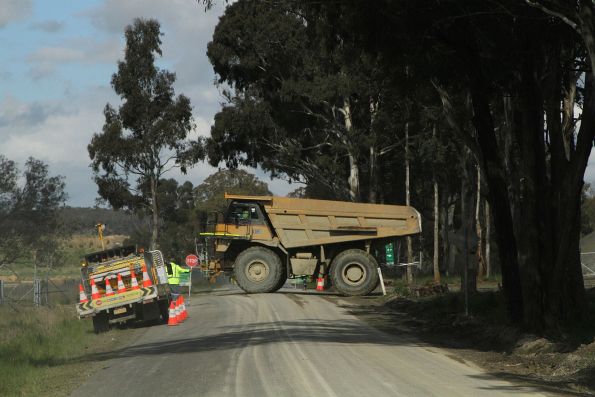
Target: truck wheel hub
257,271
354,274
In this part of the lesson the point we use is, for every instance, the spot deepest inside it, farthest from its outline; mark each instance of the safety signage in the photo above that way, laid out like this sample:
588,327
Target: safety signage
192,260
389,254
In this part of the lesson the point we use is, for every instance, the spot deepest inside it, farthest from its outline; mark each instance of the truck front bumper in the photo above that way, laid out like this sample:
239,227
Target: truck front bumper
91,307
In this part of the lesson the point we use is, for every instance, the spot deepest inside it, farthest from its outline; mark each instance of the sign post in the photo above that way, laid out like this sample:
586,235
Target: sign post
191,261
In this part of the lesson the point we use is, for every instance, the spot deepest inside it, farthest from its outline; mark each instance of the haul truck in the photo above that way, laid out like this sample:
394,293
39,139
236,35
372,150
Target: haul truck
265,240
147,301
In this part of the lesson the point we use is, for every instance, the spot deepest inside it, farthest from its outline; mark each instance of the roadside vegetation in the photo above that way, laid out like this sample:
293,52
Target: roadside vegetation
46,351
562,362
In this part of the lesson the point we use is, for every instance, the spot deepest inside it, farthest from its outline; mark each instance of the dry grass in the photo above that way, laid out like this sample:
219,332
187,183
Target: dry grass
74,250
46,351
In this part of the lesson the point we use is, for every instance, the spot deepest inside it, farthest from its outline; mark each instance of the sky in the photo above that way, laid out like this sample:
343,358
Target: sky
56,61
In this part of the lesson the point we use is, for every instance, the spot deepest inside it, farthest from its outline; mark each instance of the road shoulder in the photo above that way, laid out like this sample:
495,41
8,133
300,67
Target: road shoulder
500,351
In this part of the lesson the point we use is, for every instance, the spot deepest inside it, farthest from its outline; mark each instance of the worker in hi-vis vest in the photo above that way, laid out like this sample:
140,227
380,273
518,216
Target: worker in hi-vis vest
173,277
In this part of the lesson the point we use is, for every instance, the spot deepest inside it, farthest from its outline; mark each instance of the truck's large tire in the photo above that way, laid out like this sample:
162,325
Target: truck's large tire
101,322
258,269
281,283
164,310
353,272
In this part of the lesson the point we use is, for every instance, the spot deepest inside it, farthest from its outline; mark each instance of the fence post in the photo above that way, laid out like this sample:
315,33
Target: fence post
37,292
1,292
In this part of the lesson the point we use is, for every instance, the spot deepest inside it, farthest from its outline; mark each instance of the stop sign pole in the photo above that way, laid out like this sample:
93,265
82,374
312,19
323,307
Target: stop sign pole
191,261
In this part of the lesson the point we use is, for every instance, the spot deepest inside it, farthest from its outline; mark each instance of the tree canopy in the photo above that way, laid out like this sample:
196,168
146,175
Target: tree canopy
29,211
326,92
148,134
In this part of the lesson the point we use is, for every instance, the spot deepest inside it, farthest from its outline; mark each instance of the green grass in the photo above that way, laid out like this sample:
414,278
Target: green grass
37,345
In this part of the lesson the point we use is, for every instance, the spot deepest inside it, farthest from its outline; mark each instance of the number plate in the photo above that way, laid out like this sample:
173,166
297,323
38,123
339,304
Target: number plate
119,310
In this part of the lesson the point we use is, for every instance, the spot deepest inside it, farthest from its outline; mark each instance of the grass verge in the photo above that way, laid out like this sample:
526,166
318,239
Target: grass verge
46,351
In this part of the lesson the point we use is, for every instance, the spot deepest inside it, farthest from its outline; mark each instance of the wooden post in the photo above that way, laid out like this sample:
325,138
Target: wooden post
436,222
408,202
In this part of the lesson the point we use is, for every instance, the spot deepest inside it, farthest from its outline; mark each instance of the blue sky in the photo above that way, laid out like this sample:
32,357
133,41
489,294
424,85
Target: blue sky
56,61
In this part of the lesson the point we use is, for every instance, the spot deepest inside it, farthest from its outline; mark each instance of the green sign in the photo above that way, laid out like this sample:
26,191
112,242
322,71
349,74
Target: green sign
389,254
184,279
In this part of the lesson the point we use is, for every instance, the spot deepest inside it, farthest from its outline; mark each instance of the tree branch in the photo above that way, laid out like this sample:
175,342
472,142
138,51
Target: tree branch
553,13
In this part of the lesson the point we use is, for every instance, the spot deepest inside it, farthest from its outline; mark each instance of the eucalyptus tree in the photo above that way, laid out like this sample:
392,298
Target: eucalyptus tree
147,135
29,203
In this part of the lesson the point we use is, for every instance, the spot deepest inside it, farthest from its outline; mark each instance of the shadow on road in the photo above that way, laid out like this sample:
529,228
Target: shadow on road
255,334
419,331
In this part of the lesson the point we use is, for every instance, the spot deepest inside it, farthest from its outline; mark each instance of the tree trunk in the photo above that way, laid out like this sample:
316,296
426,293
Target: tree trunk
436,221
493,166
479,230
488,237
408,202
444,225
468,279
353,180
155,214
373,188
436,232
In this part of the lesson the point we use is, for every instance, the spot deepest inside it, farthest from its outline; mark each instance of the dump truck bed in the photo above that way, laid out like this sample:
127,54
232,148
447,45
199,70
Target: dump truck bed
307,222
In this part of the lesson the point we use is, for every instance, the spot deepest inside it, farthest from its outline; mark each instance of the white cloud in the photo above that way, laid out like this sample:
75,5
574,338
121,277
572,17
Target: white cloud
14,10
180,15
48,26
55,54
45,61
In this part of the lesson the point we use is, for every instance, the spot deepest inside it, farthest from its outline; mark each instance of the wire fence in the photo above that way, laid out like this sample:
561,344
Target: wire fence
39,292
588,266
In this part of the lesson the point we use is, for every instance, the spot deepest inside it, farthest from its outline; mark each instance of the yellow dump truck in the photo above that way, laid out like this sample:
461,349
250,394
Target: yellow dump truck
267,239
123,284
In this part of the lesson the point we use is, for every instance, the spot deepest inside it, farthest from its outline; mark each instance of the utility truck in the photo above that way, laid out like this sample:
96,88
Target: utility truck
265,240
123,284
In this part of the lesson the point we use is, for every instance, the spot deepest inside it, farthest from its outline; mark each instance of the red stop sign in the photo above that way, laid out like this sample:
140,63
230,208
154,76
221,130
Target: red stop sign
192,260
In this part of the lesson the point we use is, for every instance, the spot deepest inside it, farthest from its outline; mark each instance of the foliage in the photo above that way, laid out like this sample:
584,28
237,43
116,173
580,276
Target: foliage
29,217
81,220
209,195
147,135
307,104
322,93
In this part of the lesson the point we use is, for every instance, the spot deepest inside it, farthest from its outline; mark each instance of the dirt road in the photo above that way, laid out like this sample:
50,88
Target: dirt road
283,344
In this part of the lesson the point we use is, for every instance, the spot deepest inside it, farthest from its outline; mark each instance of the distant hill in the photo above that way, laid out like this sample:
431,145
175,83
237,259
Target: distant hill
82,221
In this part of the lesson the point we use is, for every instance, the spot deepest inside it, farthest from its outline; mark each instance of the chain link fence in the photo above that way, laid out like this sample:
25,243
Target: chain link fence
39,292
588,265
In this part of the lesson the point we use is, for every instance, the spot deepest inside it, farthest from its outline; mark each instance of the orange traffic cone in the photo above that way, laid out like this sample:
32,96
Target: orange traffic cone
179,312
82,295
184,311
133,282
108,288
146,279
320,284
121,286
172,320
94,291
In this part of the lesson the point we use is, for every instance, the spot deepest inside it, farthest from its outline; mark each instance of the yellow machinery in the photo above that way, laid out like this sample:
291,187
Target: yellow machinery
267,239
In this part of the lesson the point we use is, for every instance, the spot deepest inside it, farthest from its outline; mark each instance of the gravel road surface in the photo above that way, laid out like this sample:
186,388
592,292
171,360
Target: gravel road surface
283,344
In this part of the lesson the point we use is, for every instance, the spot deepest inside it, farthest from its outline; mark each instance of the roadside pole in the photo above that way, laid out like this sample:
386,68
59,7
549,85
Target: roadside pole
381,281
1,292
190,282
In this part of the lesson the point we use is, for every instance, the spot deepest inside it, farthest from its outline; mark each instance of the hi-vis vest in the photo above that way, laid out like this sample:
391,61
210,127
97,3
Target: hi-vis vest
174,277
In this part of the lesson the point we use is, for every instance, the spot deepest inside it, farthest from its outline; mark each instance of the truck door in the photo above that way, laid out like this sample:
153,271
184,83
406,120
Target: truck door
246,219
